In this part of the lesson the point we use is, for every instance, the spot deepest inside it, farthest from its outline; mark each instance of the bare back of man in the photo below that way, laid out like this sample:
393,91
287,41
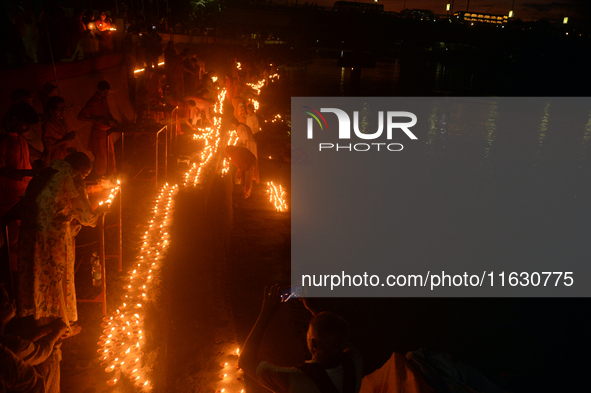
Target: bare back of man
203,105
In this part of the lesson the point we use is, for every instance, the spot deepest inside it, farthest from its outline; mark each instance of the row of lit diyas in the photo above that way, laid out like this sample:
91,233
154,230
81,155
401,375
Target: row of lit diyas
275,119
230,377
123,332
193,175
212,138
231,142
277,197
123,335
258,86
143,69
112,194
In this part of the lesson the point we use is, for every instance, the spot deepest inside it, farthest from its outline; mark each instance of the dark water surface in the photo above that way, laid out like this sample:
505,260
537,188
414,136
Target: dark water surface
324,77
494,183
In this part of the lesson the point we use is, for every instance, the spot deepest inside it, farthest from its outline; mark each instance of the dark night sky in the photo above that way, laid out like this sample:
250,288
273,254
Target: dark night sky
524,9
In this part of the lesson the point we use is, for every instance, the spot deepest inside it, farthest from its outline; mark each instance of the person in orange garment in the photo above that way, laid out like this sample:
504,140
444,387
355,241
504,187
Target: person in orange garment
56,133
246,139
245,162
33,135
98,113
15,167
103,25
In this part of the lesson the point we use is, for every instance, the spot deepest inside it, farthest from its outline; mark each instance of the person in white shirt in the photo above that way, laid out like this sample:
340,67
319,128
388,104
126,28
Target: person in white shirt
252,120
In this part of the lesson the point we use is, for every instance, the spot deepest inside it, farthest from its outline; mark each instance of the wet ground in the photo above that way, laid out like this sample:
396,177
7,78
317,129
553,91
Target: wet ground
81,371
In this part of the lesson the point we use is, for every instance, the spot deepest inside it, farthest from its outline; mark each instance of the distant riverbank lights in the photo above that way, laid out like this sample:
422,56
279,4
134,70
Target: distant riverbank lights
277,197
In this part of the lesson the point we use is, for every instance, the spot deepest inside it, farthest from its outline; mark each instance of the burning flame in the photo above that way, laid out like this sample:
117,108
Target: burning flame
123,336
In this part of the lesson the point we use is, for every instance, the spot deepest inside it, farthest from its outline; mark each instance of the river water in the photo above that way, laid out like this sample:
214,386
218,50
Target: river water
324,77
490,182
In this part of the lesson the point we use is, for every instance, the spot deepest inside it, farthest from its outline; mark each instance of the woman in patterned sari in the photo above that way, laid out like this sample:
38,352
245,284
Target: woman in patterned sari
54,200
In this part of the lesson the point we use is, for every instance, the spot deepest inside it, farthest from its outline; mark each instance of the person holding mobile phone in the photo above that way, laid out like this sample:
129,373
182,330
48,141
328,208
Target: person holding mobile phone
335,367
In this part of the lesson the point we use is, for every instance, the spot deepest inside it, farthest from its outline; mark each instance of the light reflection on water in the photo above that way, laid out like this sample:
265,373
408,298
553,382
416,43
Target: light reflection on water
324,77
587,133
503,179
534,134
544,125
498,181
491,128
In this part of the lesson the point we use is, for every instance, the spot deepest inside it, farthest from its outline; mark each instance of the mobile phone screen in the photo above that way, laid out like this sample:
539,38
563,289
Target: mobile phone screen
291,293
